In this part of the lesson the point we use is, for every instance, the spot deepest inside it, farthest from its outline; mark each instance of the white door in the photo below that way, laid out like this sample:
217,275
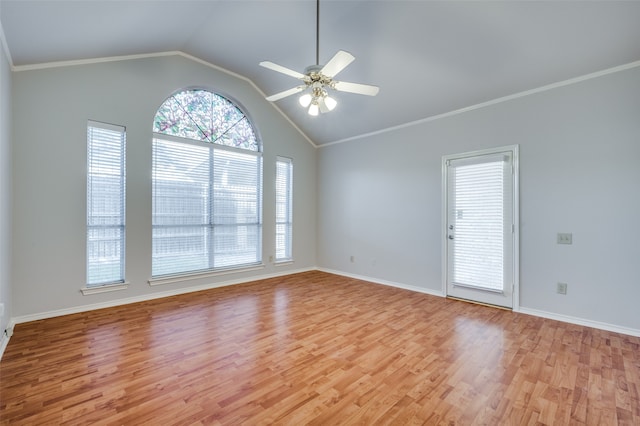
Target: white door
480,226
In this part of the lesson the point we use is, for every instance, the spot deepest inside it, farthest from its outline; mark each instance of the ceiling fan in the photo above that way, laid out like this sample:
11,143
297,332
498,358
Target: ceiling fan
319,78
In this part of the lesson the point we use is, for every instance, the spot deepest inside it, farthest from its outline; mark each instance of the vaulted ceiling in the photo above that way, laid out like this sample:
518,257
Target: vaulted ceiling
427,57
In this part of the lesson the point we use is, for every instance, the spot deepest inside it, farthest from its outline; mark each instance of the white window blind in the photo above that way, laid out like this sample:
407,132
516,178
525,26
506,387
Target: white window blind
105,203
478,196
206,207
284,208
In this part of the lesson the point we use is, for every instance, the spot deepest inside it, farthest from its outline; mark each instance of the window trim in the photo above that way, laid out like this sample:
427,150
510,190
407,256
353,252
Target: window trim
105,288
208,273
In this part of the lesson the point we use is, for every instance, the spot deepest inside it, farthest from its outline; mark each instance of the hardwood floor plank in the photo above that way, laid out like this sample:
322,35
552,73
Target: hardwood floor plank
316,348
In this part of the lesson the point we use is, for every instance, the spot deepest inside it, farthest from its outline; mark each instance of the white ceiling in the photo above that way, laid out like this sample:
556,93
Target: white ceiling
427,57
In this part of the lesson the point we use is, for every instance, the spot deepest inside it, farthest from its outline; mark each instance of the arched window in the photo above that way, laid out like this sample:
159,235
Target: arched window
207,186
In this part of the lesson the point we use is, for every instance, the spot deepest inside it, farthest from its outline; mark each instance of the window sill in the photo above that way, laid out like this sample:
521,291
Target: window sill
104,288
283,262
170,279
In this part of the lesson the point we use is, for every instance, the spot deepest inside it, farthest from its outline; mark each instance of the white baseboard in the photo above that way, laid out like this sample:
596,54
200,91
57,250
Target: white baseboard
534,312
146,297
4,341
384,282
4,338
581,321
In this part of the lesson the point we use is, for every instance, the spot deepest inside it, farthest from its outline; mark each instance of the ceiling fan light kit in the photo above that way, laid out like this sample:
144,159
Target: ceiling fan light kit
317,79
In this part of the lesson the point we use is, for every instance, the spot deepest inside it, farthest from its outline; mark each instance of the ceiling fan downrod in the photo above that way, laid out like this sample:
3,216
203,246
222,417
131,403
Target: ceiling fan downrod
318,32
319,78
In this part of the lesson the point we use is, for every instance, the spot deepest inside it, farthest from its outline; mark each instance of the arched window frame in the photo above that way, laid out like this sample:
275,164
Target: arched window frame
207,186
206,116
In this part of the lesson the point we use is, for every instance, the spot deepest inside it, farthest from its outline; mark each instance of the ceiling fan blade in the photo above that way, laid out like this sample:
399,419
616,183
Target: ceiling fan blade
336,64
360,89
285,93
283,70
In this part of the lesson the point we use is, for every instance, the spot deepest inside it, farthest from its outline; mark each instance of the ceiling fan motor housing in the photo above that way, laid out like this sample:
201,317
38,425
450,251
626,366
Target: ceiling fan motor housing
314,77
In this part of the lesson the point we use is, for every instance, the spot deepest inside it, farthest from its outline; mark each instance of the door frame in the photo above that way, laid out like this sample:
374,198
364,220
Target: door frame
514,149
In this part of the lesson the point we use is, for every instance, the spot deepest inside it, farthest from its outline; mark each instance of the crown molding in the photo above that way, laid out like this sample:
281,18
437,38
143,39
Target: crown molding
71,63
77,62
491,102
5,46
286,117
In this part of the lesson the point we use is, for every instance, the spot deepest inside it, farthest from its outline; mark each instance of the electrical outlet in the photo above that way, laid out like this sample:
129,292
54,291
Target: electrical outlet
562,288
565,238
271,259
352,259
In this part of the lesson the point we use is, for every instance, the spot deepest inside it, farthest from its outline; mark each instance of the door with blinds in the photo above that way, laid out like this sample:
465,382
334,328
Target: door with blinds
480,238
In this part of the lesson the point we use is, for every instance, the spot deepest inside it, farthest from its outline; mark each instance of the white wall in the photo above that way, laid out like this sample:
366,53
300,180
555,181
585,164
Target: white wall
5,192
379,197
51,109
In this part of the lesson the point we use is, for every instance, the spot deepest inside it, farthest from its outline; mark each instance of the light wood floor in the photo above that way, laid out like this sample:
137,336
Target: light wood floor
320,349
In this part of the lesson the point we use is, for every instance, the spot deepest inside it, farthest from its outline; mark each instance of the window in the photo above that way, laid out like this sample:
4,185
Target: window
105,204
284,216
207,186
476,195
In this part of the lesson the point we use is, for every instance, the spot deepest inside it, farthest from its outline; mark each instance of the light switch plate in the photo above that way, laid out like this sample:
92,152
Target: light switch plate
565,238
